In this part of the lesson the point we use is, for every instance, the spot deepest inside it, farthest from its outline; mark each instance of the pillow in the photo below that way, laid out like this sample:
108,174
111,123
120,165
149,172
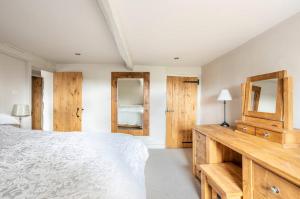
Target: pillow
7,119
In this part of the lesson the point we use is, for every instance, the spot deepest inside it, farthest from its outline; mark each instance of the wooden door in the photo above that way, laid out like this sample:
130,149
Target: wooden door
67,101
181,110
37,102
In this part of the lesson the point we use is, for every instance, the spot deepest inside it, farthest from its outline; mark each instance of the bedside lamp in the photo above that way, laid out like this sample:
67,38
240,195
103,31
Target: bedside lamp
20,110
224,96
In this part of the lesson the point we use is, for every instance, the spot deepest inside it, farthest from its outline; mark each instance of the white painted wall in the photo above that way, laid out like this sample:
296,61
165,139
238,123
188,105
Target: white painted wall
274,50
97,96
47,100
14,85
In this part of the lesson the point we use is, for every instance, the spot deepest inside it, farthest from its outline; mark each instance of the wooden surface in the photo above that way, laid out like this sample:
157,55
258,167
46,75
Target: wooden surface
247,168
266,180
277,116
283,162
246,129
206,191
37,102
277,126
269,135
288,103
181,111
67,101
224,178
114,102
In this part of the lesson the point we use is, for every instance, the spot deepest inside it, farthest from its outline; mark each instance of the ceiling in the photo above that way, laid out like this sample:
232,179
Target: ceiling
57,29
156,31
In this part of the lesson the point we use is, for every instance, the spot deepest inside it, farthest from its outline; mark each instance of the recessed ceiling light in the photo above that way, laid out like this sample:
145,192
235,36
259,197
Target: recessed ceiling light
176,58
77,54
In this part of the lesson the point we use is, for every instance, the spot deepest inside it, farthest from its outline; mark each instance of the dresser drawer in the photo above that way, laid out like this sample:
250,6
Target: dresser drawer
269,135
246,129
268,185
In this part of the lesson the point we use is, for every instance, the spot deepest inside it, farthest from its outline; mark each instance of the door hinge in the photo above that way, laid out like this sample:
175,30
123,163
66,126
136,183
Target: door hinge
192,82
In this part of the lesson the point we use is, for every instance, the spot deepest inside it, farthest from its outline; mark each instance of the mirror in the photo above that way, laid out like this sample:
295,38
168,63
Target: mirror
130,100
130,103
264,96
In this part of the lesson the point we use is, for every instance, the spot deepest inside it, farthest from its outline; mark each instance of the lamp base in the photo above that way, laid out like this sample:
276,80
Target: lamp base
224,124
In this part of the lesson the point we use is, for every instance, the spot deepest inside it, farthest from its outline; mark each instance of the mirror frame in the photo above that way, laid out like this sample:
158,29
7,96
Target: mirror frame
278,115
114,102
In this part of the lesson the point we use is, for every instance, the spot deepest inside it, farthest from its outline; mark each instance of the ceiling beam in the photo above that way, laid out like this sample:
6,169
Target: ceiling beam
18,53
114,26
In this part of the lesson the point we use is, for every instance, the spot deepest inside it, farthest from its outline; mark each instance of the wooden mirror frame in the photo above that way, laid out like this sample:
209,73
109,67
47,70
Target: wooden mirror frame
278,115
114,102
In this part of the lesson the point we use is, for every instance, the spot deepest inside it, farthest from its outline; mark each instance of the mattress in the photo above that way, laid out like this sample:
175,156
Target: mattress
71,165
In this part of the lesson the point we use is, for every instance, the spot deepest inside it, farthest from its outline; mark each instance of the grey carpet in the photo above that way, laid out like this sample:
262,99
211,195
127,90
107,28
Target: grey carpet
169,175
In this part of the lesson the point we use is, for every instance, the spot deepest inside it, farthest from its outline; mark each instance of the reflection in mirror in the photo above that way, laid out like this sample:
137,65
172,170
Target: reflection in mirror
130,103
263,96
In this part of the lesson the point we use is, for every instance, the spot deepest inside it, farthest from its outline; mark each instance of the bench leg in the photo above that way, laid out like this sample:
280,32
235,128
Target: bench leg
206,191
214,194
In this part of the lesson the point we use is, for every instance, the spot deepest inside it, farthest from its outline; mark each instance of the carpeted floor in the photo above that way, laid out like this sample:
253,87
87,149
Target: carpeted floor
169,175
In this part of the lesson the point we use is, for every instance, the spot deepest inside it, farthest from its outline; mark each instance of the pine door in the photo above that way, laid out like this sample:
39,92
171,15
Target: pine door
181,110
67,101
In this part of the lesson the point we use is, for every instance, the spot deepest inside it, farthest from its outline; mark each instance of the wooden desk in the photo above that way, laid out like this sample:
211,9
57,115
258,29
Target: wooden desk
266,165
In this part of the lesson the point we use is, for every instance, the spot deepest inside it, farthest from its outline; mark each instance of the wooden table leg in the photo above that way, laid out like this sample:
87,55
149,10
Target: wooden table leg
206,191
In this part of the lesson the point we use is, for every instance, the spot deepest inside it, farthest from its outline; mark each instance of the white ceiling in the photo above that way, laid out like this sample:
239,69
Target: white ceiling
156,31
197,31
56,29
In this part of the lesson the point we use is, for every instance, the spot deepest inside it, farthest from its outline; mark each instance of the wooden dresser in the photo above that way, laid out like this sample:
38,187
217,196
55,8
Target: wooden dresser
268,170
259,160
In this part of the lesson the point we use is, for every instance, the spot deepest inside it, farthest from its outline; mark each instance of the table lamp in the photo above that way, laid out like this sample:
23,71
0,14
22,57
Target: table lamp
224,96
20,111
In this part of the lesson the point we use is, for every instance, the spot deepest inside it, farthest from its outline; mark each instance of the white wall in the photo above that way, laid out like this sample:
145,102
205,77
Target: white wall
47,100
97,97
274,50
15,84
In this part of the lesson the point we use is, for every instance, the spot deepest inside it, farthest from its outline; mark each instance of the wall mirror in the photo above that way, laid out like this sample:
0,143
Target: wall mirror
130,103
264,96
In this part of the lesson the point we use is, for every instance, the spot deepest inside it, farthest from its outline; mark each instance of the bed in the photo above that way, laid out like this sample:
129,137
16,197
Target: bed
35,164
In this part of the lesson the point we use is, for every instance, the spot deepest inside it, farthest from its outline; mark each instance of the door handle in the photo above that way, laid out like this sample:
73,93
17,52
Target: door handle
170,111
77,112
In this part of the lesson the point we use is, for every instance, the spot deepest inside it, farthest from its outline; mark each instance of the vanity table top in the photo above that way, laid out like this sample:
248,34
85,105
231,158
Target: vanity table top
284,162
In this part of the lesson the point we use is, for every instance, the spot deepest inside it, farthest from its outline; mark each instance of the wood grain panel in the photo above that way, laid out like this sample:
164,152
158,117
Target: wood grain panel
283,162
181,110
225,179
37,102
67,101
269,135
246,129
270,186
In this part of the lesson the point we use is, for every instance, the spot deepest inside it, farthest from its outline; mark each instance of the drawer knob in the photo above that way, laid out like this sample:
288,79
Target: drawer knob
244,128
266,134
275,190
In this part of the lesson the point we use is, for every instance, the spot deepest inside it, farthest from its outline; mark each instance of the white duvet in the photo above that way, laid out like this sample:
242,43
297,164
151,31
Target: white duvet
82,165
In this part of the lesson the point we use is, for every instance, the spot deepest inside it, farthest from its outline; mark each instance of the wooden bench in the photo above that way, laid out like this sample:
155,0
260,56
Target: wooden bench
221,180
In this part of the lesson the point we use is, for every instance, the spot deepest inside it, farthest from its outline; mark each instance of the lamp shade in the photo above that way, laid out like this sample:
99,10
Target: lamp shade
20,110
225,95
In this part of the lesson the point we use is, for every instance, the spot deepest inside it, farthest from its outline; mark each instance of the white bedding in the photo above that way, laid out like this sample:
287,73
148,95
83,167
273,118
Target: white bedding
81,165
